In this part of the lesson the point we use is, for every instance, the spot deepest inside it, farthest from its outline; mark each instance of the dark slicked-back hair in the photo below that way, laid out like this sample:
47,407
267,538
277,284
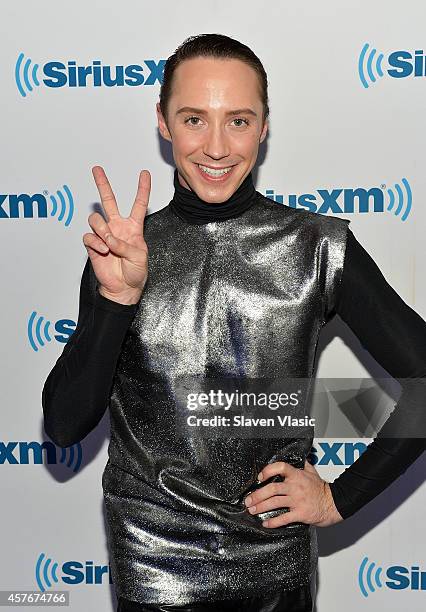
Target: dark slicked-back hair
216,46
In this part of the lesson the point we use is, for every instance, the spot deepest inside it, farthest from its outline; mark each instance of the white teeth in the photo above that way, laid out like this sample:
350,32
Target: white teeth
214,172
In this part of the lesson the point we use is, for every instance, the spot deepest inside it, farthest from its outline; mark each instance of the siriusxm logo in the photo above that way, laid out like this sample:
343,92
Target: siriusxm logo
360,200
399,577
38,330
336,453
401,64
24,205
26,453
73,572
59,74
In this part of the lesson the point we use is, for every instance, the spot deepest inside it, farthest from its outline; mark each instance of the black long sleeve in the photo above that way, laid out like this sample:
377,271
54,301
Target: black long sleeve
395,335
76,392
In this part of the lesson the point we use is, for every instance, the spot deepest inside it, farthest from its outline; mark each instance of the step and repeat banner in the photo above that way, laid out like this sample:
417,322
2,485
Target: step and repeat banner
347,93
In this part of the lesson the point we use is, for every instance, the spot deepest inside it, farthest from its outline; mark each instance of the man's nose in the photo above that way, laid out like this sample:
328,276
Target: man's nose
216,144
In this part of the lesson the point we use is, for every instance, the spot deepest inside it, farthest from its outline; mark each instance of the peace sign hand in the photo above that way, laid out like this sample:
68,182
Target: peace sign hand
116,247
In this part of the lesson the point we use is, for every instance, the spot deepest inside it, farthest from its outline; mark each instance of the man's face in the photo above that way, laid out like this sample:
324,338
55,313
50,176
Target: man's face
205,130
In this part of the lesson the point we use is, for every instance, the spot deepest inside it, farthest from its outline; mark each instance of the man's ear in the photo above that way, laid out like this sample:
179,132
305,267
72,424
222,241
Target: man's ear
162,125
264,131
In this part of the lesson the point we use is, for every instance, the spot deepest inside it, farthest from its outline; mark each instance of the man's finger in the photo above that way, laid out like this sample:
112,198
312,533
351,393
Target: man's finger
108,200
99,225
309,467
283,519
270,490
141,202
122,248
278,467
272,503
94,242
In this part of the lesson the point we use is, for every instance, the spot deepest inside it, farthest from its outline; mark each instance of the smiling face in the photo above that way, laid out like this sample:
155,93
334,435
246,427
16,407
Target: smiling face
214,122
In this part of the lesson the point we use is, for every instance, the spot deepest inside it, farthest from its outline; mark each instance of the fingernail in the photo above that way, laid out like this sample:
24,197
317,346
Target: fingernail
248,501
104,248
260,476
110,237
265,523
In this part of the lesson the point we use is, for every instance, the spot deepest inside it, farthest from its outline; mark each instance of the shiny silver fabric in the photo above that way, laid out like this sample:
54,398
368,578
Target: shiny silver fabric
242,297
296,600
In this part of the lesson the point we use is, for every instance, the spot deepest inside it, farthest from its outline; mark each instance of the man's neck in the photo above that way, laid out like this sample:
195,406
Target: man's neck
187,205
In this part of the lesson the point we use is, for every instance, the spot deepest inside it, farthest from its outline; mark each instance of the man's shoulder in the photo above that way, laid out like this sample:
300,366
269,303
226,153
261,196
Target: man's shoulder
157,215
159,221
282,213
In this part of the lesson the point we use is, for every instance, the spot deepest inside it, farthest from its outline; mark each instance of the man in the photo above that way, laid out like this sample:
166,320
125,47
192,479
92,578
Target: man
221,282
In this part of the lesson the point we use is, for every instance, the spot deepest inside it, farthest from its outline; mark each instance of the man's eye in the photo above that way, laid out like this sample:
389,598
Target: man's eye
189,119
241,119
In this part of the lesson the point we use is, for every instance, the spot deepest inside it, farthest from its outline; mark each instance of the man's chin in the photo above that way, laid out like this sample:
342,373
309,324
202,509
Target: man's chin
216,195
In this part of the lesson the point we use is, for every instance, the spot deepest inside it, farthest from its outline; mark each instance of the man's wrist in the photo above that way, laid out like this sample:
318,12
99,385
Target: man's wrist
332,509
127,298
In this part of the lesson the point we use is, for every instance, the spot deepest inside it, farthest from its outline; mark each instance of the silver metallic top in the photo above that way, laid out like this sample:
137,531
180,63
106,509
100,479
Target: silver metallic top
246,296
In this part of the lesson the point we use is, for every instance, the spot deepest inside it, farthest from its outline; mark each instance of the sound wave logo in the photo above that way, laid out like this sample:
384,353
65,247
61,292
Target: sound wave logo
45,573
366,578
25,76
369,65
62,206
38,331
402,201
400,64
74,453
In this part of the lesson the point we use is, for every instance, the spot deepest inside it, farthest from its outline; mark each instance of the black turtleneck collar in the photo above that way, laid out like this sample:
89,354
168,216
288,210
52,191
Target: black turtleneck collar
190,208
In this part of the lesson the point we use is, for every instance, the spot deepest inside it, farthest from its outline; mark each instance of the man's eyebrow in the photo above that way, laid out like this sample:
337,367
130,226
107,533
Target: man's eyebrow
200,111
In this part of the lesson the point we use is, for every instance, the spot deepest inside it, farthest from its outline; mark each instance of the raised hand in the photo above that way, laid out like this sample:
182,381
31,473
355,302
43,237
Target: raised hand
117,248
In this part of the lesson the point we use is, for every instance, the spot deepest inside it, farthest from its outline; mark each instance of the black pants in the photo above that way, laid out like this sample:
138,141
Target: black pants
297,600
